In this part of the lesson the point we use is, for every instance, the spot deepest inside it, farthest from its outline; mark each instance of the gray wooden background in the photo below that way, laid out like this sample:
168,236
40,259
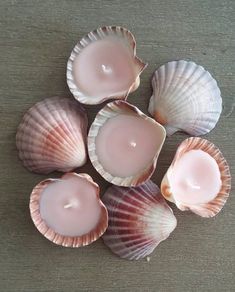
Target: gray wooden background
36,38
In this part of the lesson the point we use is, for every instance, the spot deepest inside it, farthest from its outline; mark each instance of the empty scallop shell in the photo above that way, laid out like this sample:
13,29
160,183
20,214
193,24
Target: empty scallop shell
49,233
211,208
111,110
139,219
185,98
52,136
126,38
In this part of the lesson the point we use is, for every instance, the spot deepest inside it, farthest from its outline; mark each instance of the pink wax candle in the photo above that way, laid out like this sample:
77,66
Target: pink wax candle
124,144
104,65
70,209
104,68
196,178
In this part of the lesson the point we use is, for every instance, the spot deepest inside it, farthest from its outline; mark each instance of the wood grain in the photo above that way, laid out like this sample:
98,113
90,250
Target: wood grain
36,38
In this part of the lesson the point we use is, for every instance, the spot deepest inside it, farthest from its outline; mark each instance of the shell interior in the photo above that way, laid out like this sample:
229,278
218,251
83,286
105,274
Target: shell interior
111,110
106,32
213,207
50,234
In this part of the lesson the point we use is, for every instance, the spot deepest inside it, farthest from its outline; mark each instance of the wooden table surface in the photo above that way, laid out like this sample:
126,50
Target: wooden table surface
36,38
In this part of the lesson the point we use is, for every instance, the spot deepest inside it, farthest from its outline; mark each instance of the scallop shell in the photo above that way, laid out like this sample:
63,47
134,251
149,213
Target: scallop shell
185,98
111,110
106,32
67,241
139,219
213,207
52,136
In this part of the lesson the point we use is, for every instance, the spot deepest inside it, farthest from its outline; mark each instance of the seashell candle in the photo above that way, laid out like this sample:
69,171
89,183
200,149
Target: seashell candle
68,211
52,136
185,98
139,219
104,65
124,144
198,178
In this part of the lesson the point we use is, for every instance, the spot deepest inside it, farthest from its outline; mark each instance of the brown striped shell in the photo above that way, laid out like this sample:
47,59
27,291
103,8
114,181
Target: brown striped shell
50,234
52,136
139,219
213,207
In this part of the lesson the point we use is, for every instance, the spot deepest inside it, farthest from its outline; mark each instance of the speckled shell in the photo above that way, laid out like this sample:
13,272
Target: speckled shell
67,241
185,98
105,32
52,136
213,207
109,111
139,219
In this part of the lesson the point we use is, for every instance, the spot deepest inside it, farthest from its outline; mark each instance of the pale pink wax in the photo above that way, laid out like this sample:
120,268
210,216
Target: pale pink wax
126,145
196,178
104,68
70,206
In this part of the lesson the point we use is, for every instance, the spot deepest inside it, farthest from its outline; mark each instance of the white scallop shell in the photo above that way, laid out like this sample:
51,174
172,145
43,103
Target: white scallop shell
111,110
185,98
213,207
52,136
139,219
123,35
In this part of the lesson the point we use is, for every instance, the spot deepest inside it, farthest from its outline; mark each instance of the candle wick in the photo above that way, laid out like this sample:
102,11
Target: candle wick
133,144
106,69
71,204
196,187
67,206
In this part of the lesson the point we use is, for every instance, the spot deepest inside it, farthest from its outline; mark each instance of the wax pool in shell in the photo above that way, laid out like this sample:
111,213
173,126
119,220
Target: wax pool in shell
104,65
124,144
68,211
198,178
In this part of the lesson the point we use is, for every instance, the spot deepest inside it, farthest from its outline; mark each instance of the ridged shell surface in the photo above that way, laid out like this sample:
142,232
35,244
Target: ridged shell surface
104,33
52,136
139,219
185,98
214,206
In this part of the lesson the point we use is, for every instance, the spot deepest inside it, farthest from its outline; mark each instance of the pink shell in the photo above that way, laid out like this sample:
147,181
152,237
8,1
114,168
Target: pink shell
67,241
117,32
111,110
139,219
213,207
52,136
